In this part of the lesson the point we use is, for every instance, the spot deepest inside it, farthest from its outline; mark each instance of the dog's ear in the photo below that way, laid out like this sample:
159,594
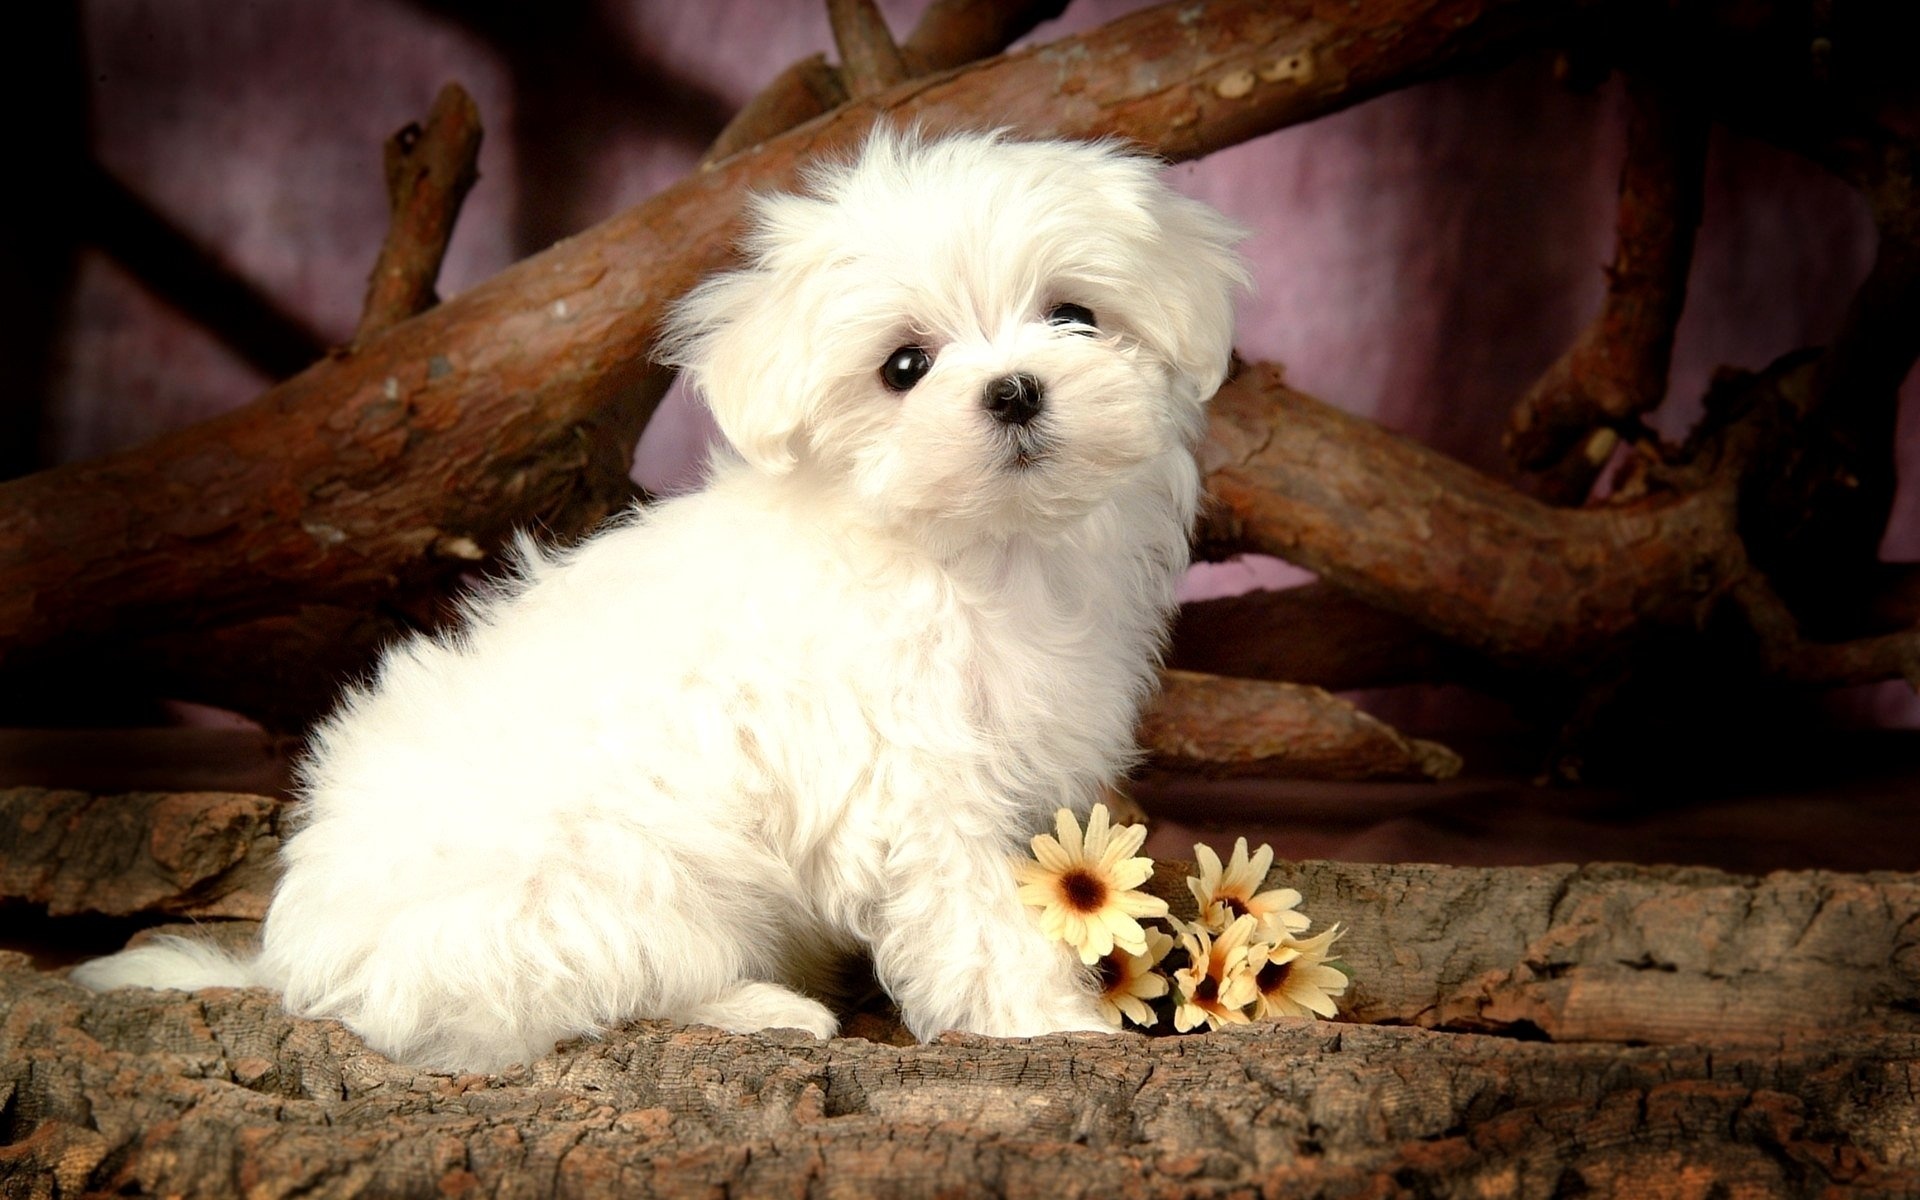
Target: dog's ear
1197,273
738,339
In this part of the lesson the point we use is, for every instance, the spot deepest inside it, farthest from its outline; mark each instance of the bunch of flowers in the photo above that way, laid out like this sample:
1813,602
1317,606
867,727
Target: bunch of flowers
1245,957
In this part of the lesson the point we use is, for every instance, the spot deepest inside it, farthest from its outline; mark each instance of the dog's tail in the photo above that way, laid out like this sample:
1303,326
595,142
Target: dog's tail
171,962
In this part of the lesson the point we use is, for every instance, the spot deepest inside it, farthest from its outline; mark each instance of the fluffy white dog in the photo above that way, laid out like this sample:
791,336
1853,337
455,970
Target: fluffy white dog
682,769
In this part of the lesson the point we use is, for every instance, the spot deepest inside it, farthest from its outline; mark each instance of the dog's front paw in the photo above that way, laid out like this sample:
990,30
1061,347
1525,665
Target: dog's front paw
750,1006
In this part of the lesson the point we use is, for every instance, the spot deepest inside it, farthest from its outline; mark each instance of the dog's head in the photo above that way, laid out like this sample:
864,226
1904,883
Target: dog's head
968,329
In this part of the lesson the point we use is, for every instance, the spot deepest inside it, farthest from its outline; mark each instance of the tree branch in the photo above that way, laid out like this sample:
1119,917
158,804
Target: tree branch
1616,369
1413,532
870,62
518,402
429,170
1214,725
1313,634
950,33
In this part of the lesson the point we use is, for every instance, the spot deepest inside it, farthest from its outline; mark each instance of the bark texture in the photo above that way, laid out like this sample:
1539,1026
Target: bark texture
1616,370
430,169
220,1094
1414,532
1606,952
1783,1016
1314,634
1220,726
392,466
188,854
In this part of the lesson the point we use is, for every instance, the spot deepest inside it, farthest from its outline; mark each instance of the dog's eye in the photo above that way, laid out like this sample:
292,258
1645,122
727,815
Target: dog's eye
1071,314
905,367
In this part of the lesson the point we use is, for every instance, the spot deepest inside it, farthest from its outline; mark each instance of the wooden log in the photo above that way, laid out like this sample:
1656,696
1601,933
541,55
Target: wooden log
1214,725
188,854
220,1093
518,402
1413,532
1593,953
1621,953
1313,634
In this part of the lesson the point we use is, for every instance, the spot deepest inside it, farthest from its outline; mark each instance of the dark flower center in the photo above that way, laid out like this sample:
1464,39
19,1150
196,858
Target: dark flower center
1083,891
1274,975
1112,975
1208,992
1235,905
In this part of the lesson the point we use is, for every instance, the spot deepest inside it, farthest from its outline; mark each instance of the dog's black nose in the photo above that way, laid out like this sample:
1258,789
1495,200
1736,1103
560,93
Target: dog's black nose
1014,399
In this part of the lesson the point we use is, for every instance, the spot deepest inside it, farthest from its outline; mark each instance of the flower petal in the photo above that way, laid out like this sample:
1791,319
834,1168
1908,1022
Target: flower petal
1069,831
1050,853
1139,904
1209,864
1261,864
1130,873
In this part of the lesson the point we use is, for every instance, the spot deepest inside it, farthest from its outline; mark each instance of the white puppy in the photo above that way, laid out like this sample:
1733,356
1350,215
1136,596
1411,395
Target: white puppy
680,770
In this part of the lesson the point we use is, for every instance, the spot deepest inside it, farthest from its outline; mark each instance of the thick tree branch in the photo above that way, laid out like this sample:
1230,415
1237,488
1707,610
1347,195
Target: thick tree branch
1616,369
518,402
1786,652
1214,725
1413,532
1314,634
429,171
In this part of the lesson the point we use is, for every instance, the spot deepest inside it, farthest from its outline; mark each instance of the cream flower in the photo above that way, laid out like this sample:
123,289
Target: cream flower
1216,986
1292,978
1084,888
1227,893
1128,981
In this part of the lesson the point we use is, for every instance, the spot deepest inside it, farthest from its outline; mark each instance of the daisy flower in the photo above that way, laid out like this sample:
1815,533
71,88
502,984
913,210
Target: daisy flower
1292,977
1128,981
1216,986
1226,894
1084,887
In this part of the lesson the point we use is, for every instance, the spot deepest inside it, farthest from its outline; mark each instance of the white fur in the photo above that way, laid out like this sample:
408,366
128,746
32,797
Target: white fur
682,769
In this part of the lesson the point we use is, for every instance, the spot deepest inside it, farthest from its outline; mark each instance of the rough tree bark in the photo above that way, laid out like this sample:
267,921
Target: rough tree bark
1779,1022
385,469
1313,634
1413,532
184,854
1608,952
1616,371
430,169
1224,726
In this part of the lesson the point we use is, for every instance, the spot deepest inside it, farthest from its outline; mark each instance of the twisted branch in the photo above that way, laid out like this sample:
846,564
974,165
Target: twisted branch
517,403
1616,369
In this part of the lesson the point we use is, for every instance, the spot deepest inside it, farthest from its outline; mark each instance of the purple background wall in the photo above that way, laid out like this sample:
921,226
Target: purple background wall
1418,259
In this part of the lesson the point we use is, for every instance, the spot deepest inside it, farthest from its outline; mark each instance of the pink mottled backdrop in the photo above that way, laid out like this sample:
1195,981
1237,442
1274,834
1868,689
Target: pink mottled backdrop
1419,259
